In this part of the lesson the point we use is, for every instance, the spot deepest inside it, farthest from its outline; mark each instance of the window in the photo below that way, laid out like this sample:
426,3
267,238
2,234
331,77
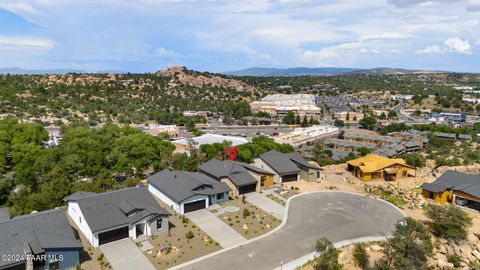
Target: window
318,174
159,224
262,181
220,196
431,195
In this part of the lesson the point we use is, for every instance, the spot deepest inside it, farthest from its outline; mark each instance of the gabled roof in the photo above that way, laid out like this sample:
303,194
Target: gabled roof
36,232
284,163
237,172
453,180
373,163
181,185
78,195
107,210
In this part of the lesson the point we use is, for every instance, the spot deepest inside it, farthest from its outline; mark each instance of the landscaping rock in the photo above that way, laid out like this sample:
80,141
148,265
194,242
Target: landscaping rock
472,239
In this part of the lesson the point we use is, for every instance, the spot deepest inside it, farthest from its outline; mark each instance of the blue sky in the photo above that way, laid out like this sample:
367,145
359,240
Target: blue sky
224,35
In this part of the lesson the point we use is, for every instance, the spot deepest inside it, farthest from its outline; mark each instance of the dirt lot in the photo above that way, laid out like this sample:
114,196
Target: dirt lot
250,223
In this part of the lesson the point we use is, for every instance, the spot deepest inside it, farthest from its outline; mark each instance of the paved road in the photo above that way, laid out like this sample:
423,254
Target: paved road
216,228
337,216
125,255
266,204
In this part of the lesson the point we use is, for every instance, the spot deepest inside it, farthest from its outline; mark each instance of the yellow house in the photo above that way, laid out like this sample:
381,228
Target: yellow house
454,187
375,167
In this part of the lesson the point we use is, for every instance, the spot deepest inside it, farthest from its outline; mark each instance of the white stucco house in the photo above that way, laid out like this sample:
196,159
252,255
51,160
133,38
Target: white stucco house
110,216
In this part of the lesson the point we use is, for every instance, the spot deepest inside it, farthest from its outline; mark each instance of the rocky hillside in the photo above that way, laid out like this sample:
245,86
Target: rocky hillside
180,76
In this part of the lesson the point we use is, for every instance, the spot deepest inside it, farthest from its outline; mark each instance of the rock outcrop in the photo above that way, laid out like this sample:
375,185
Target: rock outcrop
180,76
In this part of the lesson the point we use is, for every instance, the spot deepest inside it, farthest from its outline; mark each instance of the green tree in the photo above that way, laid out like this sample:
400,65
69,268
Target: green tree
363,151
368,122
408,247
415,160
289,118
449,223
360,256
328,258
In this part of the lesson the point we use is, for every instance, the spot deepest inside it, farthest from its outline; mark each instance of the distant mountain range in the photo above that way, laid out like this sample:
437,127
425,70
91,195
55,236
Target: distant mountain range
18,71
325,71
254,71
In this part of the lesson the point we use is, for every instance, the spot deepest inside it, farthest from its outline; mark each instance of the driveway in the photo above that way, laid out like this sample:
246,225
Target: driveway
266,204
335,215
216,228
125,255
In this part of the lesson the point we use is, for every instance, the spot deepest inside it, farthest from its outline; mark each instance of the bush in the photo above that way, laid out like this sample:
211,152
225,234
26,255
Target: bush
408,247
328,259
415,160
189,235
450,223
246,213
360,256
100,257
455,260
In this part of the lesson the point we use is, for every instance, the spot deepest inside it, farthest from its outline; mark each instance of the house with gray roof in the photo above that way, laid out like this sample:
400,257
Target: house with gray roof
459,188
240,177
46,236
288,167
187,191
110,216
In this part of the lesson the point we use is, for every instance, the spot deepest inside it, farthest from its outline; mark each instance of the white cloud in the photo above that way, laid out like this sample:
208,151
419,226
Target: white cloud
19,42
434,49
162,52
473,5
458,45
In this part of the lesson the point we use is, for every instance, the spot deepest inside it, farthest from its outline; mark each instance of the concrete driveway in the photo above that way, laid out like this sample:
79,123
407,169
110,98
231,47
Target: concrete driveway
125,255
335,215
216,228
266,204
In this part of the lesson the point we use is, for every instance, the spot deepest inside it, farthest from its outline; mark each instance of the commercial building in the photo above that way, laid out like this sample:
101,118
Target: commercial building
172,130
183,145
300,136
281,104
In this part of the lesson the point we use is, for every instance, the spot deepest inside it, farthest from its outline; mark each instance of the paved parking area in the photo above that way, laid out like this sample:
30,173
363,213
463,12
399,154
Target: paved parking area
125,255
266,204
336,215
216,228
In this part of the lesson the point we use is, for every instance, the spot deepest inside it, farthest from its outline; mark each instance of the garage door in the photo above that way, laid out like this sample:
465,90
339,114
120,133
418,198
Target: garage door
113,235
193,206
289,178
247,189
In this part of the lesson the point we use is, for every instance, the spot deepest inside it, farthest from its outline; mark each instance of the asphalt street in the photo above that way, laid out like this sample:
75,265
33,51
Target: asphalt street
335,215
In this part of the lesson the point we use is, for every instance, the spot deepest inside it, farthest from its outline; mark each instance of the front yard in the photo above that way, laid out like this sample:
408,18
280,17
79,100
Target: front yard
183,243
250,221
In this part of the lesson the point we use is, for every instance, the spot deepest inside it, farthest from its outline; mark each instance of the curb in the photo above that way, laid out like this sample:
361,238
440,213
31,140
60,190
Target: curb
284,221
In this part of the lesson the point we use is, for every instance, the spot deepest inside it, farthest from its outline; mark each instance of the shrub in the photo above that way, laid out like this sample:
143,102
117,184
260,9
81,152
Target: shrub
100,257
360,256
449,223
246,213
328,259
455,260
189,235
